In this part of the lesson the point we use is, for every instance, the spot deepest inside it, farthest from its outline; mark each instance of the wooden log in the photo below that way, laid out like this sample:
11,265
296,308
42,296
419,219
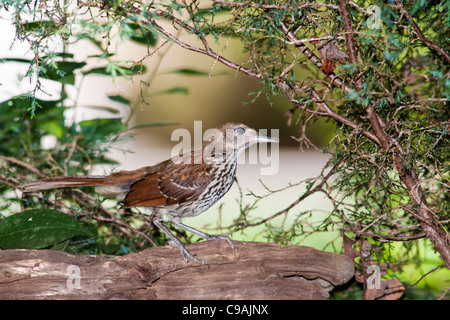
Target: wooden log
257,271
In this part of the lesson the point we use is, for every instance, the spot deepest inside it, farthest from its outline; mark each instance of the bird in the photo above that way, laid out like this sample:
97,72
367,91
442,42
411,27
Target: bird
184,185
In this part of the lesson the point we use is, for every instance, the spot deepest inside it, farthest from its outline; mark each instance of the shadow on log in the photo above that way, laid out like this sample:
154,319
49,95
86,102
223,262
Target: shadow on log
257,271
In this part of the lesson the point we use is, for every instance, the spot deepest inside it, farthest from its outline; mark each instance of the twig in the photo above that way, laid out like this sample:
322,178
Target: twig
295,203
327,110
367,12
121,224
430,44
72,150
423,276
347,22
392,238
274,6
23,164
444,294
207,52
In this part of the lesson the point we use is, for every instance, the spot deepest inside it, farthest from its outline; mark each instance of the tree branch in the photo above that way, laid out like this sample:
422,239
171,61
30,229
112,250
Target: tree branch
23,164
257,271
274,6
334,79
207,51
284,87
434,230
430,44
347,22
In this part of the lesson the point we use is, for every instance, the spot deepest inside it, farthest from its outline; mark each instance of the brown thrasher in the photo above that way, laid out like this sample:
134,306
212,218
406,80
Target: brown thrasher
183,186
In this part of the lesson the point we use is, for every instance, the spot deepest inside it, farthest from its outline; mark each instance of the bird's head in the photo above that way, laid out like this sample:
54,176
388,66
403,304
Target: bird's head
232,138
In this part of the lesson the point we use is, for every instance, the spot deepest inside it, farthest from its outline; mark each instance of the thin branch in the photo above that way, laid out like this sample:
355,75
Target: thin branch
23,164
312,57
444,294
326,110
430,44
274,6
347,23
71,152
207,51
392,238
367,12
429,272
317,188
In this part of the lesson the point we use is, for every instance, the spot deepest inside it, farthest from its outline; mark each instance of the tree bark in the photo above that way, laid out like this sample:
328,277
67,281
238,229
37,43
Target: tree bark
257,271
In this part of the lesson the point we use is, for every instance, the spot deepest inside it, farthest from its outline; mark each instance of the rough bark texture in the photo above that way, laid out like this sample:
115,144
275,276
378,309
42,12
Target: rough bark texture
257,271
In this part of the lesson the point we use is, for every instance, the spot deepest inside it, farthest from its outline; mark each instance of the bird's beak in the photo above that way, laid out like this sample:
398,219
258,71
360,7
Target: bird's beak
260,138
268,139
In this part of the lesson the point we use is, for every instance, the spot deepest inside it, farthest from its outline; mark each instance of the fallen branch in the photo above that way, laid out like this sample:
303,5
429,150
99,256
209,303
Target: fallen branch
257,271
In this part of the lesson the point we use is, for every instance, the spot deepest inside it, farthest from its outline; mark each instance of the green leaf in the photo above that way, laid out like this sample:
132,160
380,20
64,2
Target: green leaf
189,72
182,90
100,70
63,72
153,124
104,108
16,60
142,34
39,228
98,129
54,55
52,127
40,26
117,70
119,98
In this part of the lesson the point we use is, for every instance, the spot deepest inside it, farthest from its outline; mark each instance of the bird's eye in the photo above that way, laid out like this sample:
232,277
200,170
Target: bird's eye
239,131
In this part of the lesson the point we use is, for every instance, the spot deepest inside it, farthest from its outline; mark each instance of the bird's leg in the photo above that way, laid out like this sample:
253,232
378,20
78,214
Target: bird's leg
184,252
176,222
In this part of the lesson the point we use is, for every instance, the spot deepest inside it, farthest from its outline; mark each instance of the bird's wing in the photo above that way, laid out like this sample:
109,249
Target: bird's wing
169,183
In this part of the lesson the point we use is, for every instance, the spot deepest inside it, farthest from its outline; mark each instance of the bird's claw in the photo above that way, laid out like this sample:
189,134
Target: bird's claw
186,254
219,238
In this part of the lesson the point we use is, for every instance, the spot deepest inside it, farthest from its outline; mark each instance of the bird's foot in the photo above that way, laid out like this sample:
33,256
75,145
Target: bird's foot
219,238
186,254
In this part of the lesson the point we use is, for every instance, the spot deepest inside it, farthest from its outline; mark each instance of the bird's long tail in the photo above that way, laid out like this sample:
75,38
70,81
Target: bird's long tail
63,182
